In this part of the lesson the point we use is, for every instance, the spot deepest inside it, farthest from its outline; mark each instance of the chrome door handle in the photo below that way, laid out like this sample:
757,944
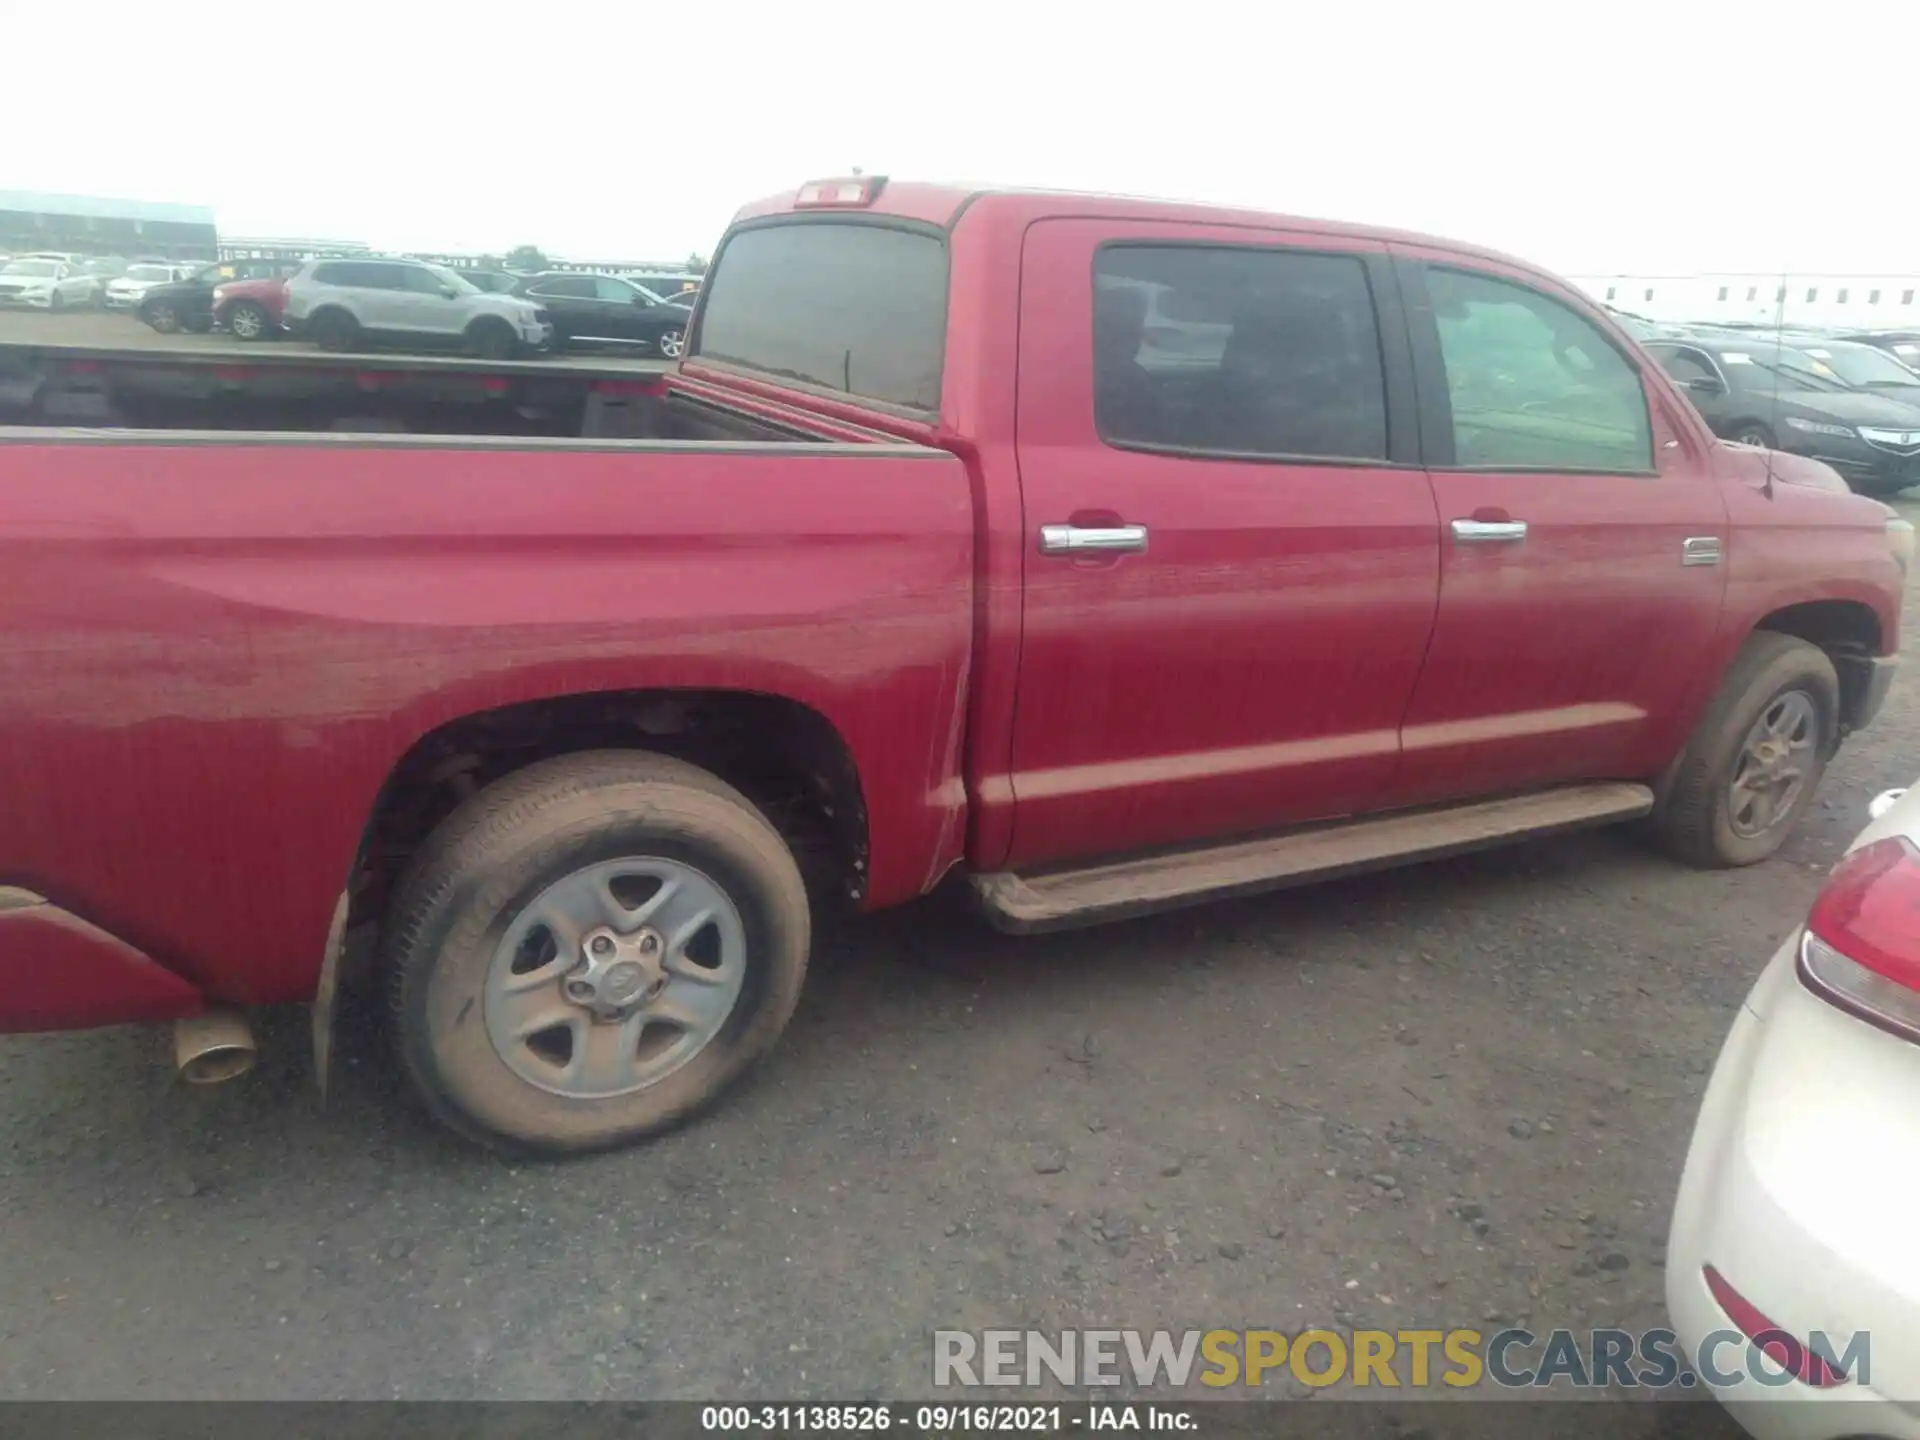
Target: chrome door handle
1489,530
1087,540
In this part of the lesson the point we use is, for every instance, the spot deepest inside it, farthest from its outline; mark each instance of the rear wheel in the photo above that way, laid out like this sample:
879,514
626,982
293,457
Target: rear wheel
248,321
673,344
492,339
1752,432
591,950
162,316
1751,768
334,330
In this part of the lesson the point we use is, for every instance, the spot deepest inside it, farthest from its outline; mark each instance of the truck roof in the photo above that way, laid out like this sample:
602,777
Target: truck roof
944,205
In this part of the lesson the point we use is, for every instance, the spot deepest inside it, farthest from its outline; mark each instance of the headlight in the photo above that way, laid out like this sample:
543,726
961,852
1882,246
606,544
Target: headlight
1817,427
1900,538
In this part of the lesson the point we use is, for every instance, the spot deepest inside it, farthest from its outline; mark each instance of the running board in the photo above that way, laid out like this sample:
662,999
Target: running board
1024,904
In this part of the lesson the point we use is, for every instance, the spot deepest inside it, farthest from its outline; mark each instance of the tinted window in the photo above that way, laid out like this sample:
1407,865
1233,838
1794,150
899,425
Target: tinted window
1534,385
1240,351
605,287
341,273
574,287
855,307
422,281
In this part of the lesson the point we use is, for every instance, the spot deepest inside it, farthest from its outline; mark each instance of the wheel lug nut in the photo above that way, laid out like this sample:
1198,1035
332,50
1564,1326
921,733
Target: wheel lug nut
602,945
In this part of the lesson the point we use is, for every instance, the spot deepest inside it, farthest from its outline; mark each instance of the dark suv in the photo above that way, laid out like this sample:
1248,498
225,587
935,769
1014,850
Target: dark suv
188,304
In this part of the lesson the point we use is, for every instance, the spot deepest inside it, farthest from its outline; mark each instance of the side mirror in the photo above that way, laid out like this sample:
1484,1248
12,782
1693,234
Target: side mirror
449,292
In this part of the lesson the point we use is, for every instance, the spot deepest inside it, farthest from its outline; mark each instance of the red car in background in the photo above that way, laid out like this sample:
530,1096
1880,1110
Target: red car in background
250,309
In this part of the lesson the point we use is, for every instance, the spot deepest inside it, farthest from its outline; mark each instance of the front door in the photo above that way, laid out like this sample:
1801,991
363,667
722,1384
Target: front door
1583,543
1231,552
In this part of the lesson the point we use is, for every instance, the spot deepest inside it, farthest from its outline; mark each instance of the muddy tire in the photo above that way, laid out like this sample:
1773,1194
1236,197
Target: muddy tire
510,1029
1755,760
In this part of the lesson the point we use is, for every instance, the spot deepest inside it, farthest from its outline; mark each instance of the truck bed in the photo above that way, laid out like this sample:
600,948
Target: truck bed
220,644
264,388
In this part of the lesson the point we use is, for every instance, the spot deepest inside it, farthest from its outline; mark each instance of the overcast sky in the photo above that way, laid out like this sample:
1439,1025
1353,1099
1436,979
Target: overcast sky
1591,138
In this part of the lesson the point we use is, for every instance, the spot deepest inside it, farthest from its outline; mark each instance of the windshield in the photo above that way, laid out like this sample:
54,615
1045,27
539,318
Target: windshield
32,267
1790,369
846,305
455,279
1864,365
149,272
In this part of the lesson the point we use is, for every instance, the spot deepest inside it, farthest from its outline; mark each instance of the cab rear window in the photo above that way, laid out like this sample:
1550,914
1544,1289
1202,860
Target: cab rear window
852,306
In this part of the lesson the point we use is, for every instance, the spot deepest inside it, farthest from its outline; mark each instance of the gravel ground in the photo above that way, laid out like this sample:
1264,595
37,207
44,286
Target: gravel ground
1454,1095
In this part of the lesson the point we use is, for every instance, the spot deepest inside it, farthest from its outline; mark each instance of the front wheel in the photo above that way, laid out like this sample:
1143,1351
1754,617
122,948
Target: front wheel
673,344
591,950
1750,770
1752,432
162,317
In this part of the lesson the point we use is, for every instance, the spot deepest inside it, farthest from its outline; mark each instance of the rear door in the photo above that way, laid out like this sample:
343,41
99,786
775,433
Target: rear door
1232,554
1582,542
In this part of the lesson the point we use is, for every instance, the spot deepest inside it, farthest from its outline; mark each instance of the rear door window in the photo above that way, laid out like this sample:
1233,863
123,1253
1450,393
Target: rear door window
1237,351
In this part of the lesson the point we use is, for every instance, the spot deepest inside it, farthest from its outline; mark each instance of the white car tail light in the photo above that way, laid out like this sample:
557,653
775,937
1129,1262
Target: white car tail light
1861,950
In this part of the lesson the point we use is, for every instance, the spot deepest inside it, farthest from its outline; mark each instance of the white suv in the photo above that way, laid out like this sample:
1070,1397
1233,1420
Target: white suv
338,303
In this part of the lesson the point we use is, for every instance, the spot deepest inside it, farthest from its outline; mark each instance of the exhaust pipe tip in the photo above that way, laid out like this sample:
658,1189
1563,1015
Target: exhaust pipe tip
213,1046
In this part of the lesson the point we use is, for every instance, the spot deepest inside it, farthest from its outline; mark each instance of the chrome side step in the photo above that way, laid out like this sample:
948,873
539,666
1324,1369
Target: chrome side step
1024,904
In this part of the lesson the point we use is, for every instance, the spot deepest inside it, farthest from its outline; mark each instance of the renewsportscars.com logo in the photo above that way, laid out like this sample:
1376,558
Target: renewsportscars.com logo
1389,1359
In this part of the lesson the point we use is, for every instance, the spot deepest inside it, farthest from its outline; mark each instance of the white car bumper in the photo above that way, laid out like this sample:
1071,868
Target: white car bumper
1800,1189
35,300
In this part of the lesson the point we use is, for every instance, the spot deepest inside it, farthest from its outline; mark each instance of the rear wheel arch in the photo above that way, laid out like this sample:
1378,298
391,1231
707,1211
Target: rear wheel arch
785,756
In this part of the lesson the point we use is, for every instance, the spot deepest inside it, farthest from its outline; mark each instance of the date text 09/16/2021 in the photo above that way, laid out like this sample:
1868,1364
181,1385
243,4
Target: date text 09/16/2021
943,1419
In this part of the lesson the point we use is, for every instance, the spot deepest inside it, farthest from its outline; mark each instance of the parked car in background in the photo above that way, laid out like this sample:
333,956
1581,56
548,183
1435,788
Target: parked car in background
1903,345
187,303
47,282
339,303
129,289
1867,367
251,309
1793,1229
497,282
595,310
1757,391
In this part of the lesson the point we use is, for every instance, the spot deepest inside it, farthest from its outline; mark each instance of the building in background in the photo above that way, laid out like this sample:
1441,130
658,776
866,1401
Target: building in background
260,247
92,225
1862,302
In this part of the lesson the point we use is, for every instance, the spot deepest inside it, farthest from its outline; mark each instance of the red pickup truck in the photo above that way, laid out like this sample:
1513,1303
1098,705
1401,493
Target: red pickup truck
1117,554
